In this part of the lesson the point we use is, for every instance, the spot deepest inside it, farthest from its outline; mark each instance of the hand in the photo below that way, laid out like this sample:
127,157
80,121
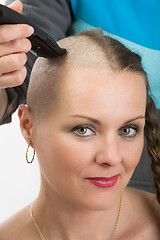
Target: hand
13,48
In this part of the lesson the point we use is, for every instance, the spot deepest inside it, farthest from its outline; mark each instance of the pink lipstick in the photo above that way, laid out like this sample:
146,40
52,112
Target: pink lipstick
104,182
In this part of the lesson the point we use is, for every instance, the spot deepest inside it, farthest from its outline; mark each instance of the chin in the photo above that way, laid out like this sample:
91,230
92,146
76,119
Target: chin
101,201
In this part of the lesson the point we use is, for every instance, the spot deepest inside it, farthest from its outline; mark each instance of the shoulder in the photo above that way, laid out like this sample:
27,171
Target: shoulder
144,210
18,226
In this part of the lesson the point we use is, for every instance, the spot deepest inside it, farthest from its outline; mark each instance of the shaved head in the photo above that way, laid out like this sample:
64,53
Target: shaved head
88,49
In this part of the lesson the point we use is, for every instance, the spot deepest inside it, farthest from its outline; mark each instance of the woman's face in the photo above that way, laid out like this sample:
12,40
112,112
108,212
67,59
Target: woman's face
96,130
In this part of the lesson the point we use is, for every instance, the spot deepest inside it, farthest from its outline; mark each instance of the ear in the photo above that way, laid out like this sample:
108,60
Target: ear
26,122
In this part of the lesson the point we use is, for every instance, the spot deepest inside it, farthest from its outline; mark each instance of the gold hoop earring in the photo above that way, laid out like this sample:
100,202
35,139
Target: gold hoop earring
27,154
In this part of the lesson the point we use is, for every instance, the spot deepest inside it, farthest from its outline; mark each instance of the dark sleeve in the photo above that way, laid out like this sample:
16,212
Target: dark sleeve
54,17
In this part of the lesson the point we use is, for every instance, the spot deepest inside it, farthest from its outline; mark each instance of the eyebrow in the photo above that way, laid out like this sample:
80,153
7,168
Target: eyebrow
89,118
134,119
99,123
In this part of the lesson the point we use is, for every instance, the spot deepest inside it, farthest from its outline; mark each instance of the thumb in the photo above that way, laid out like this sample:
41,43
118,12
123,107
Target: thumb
17,6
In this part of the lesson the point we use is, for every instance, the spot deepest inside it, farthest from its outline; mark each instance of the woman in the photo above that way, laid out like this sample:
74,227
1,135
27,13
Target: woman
86,118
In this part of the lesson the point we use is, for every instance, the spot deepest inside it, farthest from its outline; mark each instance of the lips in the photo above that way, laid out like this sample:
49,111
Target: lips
104,182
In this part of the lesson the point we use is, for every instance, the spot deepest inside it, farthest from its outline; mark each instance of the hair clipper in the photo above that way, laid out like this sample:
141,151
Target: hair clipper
42,44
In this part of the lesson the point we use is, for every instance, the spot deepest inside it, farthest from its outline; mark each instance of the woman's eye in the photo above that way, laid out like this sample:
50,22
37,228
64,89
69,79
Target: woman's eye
129,131
84,131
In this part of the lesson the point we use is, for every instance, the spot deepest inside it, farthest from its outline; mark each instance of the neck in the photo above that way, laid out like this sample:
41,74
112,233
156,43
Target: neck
60,218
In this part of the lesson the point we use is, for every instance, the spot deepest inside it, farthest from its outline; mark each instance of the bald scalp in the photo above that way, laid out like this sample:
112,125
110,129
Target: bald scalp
88,49
47,74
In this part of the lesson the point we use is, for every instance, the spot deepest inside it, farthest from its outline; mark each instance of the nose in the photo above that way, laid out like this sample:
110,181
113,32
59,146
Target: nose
108,151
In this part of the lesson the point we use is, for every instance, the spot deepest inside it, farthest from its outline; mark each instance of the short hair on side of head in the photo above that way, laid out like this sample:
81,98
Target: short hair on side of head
91,49
43,87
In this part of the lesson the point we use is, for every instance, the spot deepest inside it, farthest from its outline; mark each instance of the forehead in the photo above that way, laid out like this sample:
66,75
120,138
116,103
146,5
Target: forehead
102,92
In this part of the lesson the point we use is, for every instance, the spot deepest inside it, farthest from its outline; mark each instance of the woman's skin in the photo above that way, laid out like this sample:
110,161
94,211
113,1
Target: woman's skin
69,207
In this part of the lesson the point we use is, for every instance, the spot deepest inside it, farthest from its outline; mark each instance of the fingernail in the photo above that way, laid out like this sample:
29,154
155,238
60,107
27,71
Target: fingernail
13,3
30,30
17,1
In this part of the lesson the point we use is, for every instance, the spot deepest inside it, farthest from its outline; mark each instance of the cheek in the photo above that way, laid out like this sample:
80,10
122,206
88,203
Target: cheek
64,157
72,155
64,165
132,154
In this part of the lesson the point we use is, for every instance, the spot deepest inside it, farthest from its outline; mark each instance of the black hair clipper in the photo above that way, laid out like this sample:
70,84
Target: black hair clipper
42,44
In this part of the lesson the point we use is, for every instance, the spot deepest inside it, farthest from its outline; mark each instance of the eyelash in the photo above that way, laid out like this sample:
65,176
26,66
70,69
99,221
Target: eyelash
85,126
130,126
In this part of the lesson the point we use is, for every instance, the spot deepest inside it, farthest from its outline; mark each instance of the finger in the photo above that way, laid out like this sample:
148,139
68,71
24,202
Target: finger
13,79
12,62
13,32
17,6
15,46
